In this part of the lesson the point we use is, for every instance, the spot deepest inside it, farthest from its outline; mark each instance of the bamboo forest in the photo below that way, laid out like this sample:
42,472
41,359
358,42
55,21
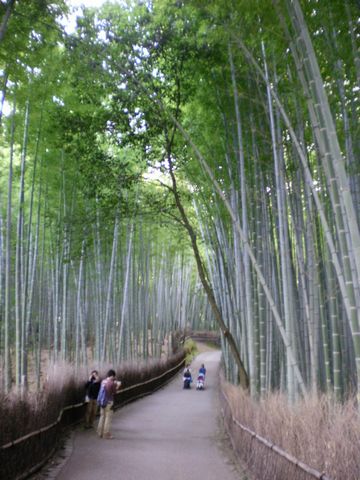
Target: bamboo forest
178,166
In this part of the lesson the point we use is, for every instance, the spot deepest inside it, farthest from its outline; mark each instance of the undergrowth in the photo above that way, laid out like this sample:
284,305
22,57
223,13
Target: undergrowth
190,348
320,432
23,414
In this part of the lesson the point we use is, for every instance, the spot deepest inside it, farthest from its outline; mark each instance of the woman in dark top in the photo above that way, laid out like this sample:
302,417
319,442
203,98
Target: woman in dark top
92,388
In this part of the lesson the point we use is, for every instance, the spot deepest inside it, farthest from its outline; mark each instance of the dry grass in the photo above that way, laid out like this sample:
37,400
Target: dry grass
23,414
323,434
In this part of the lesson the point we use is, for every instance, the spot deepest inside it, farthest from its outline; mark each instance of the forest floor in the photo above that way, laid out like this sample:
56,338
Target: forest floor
172,434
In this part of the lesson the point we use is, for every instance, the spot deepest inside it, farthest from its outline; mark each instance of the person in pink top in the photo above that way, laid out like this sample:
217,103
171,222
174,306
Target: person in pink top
111,386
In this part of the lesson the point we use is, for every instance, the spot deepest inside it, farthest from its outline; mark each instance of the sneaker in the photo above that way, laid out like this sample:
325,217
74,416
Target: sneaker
108,436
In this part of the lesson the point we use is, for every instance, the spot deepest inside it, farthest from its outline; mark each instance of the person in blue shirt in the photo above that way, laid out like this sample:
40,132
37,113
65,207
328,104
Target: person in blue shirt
200,385
202,369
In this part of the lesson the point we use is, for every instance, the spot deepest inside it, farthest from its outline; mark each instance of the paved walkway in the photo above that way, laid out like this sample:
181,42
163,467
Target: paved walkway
172,434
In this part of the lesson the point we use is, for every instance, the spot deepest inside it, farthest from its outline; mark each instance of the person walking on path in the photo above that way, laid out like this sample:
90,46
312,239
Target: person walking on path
110,386
92,388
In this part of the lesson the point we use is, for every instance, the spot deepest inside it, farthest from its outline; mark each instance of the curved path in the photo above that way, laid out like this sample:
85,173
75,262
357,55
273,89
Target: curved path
170,435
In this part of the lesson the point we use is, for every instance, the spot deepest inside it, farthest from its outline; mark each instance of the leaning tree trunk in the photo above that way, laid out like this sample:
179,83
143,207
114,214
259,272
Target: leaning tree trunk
243,376
264,285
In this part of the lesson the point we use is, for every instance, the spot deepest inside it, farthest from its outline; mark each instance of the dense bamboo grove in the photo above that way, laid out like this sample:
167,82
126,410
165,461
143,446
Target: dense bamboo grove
116,299
294,196
236,120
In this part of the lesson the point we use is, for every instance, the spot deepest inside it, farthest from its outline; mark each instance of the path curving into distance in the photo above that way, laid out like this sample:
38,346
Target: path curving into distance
172,434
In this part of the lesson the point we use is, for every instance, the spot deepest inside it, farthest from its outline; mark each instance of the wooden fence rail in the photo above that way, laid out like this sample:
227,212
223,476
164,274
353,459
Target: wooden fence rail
210,337
244,451
24,455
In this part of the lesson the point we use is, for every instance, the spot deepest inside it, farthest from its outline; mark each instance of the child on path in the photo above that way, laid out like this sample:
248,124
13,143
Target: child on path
200,384
202,370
